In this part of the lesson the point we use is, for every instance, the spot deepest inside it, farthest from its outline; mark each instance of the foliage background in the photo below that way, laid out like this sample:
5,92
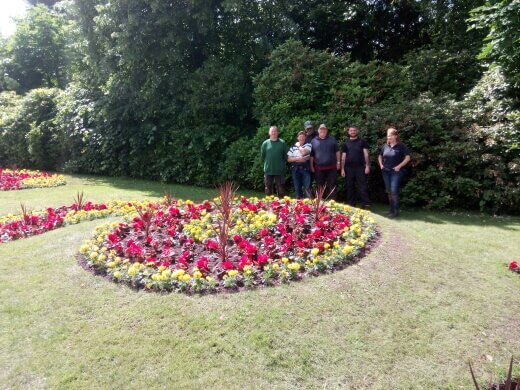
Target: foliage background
185,91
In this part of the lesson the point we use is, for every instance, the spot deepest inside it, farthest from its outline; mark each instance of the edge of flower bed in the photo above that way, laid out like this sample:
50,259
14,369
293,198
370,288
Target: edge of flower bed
363,252
352,244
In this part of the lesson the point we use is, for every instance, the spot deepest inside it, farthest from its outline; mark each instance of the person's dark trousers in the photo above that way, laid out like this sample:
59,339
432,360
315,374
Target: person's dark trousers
279,180
355,177
328,179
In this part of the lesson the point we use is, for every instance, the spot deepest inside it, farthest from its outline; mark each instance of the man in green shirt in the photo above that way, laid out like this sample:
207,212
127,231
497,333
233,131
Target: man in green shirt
274,155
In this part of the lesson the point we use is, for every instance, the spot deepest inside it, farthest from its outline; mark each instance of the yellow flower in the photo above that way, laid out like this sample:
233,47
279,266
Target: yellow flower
285,260
112,264
93,256
185,277
315,251
233,272
132,271
327,245
276,267
177,274
197,275
294,266
117,274
347,249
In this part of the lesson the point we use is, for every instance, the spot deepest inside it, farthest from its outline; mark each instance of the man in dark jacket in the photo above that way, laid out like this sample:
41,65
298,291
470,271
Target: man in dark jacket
325,161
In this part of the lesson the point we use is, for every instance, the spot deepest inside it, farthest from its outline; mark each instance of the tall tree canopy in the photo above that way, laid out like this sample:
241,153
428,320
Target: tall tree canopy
36,53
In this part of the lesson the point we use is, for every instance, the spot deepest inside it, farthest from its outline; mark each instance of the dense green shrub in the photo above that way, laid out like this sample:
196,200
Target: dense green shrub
30,137
465,154
13,145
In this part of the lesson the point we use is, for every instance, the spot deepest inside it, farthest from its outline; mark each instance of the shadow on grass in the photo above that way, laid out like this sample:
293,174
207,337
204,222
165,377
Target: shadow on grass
157,189
456,217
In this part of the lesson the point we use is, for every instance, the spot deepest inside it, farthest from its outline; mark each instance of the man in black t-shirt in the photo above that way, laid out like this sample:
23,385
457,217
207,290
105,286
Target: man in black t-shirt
355,166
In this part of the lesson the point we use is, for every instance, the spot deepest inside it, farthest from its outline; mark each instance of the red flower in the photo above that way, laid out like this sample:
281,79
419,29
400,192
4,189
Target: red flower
113,238
251,249
513,264
237,238
227,265
264,232
212,244
244,260
262,259
202,263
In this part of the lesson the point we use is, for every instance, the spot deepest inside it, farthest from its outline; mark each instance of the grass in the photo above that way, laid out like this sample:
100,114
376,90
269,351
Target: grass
435,293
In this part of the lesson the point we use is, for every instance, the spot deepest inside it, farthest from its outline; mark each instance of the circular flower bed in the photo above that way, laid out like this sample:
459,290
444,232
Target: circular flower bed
224,245
20,179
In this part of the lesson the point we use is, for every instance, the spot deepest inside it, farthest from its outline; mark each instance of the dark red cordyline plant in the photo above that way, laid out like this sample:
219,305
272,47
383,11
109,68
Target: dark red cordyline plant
509,385
26,213
79,201
146,218
318,208
224,205
169,199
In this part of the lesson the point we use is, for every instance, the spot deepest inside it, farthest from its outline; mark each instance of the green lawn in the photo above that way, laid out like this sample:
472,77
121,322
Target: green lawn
435,293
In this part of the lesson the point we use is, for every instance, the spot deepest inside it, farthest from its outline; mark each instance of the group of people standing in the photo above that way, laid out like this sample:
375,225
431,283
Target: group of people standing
317,155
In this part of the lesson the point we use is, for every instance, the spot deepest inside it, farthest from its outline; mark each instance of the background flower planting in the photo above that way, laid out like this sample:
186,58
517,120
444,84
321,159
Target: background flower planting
20,179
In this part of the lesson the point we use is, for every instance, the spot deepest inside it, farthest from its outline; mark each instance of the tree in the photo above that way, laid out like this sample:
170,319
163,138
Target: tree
48,3
368,30
499,18
37,50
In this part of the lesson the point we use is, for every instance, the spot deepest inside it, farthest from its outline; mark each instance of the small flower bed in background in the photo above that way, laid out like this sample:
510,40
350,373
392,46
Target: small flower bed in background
181,246
20,179
30,223
514,266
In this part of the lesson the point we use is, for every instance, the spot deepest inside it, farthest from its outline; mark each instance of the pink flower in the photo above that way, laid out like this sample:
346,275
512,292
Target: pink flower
262,259
113,238
244,260
212,244
227,265
202,263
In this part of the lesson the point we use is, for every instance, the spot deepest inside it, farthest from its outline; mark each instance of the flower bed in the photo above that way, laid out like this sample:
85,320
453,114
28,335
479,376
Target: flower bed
30,223
205,247
20,179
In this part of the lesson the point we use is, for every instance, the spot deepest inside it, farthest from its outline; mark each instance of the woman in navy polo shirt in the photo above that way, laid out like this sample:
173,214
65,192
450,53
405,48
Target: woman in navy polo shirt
393,157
